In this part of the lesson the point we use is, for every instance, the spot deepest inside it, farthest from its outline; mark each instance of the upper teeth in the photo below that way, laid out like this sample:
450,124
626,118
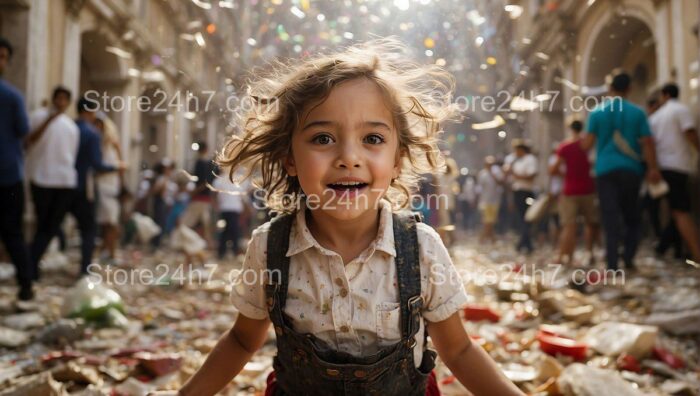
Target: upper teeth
348,183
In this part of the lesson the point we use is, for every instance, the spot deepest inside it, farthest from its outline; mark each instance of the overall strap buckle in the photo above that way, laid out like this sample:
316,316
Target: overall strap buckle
415,304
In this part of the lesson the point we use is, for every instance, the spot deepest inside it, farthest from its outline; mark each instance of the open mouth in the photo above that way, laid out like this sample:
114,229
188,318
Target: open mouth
347,186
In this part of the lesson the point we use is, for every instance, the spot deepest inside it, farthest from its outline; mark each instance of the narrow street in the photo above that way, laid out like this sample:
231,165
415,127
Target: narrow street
319,197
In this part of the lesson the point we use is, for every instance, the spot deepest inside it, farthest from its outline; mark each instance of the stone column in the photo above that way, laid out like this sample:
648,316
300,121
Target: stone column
663,41
677,39
568,94
128,122
71,55
212,129
37,51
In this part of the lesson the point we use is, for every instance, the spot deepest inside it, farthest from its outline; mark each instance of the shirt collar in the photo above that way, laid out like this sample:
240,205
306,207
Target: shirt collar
385,234
300,237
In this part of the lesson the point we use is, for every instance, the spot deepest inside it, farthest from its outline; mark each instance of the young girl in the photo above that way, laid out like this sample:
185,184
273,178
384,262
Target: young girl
351,285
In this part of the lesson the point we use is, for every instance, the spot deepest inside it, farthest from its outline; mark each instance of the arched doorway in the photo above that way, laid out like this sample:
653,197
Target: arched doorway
103,78
625,42
14,26
102,74
99,70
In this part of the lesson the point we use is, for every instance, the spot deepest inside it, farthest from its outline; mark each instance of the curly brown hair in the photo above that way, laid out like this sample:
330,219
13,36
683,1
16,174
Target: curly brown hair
419,97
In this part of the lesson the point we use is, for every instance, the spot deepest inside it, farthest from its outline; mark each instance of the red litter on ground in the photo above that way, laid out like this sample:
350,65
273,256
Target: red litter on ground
555,345
628,363
62,356
667,357
477,313
159,364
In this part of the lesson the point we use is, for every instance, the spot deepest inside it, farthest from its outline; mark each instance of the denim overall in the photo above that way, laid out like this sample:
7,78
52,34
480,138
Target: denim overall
306,365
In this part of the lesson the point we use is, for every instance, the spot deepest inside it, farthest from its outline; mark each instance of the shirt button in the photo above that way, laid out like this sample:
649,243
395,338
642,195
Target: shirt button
343,292
338,281
344,329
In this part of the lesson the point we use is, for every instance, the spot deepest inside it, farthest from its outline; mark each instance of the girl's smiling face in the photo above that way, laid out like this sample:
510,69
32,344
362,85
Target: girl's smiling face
345,151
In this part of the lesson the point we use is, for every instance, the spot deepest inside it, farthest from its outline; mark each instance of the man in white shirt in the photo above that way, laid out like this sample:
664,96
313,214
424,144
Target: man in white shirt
232,201
674,132
52,149
522,169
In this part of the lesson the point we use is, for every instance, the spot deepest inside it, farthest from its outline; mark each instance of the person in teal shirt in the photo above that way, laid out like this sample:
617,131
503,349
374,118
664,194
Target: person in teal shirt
630,121
624,150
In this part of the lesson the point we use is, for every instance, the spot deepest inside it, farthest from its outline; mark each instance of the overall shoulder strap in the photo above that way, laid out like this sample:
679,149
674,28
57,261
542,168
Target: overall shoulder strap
408,272
277,260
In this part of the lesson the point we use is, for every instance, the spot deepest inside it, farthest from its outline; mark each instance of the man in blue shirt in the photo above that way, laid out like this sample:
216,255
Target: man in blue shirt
89,158
14,126
623,141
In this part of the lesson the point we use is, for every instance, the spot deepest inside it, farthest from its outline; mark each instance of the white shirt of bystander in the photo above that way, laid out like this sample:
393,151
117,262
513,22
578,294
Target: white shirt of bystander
51,160
524,166
490,190
669,124
230,196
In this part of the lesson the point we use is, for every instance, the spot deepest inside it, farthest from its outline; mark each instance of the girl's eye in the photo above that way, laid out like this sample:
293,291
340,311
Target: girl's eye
322,139
374,139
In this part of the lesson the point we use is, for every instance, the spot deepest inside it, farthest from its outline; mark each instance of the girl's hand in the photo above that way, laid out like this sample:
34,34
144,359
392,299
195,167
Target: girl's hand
469,363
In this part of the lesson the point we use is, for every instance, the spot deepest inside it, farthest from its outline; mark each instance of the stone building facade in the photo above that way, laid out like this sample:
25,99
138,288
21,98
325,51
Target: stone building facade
161,70
557,53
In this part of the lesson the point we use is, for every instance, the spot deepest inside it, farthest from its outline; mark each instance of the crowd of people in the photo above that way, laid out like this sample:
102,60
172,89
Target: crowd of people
64,157
74,166
177,198
623,161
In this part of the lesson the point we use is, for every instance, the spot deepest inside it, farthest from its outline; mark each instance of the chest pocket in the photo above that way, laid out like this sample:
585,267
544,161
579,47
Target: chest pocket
388,325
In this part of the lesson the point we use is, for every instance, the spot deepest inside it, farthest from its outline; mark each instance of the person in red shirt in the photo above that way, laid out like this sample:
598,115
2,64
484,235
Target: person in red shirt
578,196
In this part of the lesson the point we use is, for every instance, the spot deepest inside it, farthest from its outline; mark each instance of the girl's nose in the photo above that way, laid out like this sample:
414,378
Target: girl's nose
347,156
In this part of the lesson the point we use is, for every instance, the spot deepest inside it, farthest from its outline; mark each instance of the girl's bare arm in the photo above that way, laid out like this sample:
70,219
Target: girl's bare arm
226,360
472,366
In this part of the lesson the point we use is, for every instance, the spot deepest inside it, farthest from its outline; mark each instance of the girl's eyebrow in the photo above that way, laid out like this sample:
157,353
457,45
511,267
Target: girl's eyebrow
375,124
372,124
317,123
